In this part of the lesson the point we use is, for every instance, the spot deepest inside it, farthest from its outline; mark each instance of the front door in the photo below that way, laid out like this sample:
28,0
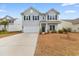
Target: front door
43,27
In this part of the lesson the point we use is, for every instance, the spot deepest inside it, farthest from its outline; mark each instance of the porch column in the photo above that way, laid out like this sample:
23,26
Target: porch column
46,27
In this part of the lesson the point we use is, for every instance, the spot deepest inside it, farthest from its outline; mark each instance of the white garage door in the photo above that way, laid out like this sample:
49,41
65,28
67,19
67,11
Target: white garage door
31,27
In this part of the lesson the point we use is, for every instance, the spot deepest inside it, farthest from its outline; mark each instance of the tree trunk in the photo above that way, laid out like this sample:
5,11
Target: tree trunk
5,27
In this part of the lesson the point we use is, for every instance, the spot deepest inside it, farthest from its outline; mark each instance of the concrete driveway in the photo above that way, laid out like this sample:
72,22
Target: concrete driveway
18,45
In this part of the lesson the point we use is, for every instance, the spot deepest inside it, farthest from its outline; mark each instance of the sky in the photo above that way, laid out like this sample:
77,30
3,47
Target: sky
66,10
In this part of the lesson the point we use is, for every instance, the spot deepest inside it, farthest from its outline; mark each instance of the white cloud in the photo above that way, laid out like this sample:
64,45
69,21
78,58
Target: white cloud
67,4
77,5
70,11
2,10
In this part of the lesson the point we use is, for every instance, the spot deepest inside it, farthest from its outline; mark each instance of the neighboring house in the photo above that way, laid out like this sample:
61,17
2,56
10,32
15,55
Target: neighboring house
75,24
12,26
65,24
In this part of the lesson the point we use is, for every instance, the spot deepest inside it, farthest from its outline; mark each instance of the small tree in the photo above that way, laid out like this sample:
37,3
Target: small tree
5,23
60,31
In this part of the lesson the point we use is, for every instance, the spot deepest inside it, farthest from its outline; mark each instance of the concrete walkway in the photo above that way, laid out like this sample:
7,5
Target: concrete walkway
18,45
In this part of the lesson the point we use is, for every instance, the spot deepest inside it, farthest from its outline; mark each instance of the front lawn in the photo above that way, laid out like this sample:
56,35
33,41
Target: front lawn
5,33
55,44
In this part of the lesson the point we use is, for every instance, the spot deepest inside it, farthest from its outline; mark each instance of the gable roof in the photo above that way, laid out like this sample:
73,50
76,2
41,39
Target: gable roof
40,12
73,21
8,18
53,10
29,9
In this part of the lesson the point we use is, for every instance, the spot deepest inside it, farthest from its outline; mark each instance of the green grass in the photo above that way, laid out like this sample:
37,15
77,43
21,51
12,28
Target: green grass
3,32
6,33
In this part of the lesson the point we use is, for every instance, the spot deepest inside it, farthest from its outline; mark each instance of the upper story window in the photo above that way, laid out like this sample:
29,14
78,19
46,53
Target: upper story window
11,21
49,17
35,17
43,17
54,17
26,17
29,17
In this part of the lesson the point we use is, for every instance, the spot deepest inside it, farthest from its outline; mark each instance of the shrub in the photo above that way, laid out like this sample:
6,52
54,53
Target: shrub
65,30
54,31
69,29
50,31
4,30
60,31
40,32
18,31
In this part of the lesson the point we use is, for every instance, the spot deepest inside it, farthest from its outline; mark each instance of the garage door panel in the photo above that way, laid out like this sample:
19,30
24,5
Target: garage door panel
31,29
31,26
31,23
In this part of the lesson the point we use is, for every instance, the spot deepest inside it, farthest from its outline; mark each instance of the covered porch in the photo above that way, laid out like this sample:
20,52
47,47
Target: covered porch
47,26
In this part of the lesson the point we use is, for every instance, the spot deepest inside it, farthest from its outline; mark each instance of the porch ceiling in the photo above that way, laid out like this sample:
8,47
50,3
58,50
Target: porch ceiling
52,21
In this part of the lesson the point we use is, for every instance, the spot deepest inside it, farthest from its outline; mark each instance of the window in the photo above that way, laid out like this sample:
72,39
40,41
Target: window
27,18
55,17
35,17
52,27
11,21
38,17
24,17
48,17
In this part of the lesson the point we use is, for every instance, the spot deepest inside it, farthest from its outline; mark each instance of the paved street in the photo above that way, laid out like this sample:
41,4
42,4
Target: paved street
18,45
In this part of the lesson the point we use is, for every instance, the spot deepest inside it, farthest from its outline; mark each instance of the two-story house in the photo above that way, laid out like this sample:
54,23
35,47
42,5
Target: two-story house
35,21
12,25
